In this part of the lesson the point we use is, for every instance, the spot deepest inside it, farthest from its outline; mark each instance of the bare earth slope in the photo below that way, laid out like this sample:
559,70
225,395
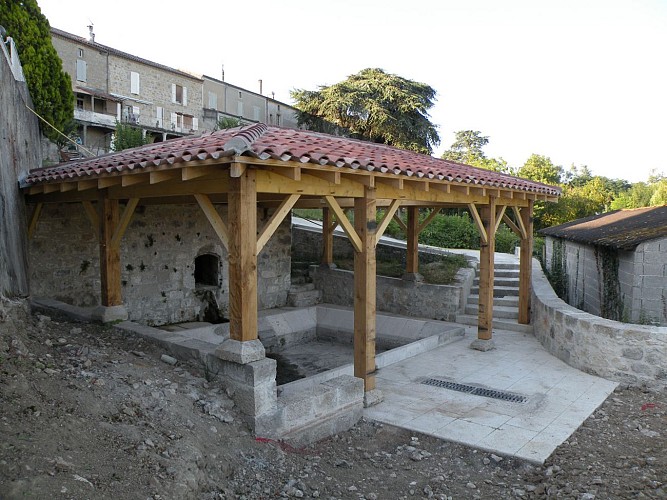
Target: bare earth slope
88,412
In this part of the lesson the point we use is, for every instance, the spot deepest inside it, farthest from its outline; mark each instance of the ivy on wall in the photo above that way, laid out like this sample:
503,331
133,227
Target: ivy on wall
557,271
611,301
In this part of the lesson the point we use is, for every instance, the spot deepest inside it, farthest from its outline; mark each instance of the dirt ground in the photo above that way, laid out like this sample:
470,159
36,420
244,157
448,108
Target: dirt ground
89,412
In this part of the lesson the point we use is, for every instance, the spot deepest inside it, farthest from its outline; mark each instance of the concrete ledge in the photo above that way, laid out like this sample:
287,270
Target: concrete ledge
241,352
624,352
51,306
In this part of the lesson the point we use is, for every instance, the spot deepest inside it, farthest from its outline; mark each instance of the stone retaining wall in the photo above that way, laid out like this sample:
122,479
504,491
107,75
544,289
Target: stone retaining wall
398,296
628,353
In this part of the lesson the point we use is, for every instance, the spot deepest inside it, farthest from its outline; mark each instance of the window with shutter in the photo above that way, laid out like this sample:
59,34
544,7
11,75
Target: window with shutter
212,100
159,113
134,82
239,108
174,121
179,94
195,124
185,96
81,70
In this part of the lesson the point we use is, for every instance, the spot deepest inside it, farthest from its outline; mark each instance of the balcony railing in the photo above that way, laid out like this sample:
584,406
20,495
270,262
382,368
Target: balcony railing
95,118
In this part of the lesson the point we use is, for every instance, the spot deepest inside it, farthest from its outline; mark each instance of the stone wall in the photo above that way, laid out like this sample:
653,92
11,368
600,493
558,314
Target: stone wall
19,151
632,354
158,253
398,296
641,278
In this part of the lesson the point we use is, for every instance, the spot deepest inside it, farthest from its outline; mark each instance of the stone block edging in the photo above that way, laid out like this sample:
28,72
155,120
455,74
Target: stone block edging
628,353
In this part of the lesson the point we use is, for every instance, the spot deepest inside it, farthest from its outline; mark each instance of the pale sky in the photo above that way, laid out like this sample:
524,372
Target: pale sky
581,81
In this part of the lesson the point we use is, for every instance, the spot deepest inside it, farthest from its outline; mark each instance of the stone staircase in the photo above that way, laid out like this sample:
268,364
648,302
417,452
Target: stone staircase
302,292
505,301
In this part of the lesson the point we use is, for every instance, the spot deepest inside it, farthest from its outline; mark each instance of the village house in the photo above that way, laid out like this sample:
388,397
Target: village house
113,86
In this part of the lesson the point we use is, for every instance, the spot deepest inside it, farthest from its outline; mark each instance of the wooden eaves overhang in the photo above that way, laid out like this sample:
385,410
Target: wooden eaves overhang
259,166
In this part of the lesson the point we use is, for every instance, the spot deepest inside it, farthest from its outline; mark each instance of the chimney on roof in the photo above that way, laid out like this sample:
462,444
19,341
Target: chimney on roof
91,36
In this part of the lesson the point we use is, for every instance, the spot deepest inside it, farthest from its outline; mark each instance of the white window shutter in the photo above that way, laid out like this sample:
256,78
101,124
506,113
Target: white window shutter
185,96
195,124
213,100
173,92
239,108
158,114
134,82
81,75
135,110
174,119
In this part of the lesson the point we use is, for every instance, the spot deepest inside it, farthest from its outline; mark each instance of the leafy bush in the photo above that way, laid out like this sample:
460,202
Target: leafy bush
451,231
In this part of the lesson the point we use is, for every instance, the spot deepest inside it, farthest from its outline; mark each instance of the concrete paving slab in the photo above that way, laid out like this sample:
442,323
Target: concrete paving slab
559,398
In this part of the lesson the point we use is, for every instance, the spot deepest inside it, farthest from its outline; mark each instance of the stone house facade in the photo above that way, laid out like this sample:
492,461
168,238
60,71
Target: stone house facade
612,265
112,86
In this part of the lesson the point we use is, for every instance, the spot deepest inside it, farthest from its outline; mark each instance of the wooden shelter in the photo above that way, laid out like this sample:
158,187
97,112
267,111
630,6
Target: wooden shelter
280,169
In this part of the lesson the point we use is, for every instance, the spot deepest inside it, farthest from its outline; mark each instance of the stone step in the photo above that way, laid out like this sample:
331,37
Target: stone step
514,282
499,291
498,311
511,301
498,324
305,298
506,266
505,273
301,287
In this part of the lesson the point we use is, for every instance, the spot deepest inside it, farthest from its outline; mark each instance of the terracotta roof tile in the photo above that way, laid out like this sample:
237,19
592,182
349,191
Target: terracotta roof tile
282,144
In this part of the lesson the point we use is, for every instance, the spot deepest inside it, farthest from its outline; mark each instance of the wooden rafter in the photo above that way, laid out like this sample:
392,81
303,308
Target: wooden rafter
124,221
344,222
214,219
480,225
93,217
275,220
400,223
500,213
523,230
510,223
34,218
434,212
386,219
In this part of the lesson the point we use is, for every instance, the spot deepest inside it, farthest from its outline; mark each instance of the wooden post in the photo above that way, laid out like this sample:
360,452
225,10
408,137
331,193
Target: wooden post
412,258
243,256
525,264
364,289
109,253
486,268
327,237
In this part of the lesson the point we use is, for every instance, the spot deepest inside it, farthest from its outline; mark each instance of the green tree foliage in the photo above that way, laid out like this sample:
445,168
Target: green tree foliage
372,105
638,195
541,169
228,122
468,148
127,136
50,87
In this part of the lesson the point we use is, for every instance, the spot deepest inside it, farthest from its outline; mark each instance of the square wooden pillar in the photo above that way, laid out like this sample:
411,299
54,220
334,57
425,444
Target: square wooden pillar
109,254
242,201
486,268
327,237
525,264
412,257
365,289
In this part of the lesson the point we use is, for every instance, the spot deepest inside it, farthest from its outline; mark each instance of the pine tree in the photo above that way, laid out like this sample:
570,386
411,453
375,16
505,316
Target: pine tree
50,87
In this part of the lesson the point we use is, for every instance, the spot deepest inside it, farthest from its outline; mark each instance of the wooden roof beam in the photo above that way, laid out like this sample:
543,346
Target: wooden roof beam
132,180
344,222
124,222
105,182
275,220
386,219
214,219
478,220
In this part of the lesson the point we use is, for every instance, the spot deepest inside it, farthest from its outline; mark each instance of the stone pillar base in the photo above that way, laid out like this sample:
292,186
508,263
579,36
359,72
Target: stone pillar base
249,377
483,345
109,314
373,397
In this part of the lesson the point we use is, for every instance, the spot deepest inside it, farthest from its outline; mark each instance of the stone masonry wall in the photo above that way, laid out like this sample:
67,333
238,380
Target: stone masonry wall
19,151
157,262
632,354
394,295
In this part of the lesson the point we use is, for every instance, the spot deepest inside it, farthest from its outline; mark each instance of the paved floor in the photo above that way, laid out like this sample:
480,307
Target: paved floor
559,398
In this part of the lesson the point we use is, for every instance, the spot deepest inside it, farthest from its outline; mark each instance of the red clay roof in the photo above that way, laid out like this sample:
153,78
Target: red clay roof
622,229
288,145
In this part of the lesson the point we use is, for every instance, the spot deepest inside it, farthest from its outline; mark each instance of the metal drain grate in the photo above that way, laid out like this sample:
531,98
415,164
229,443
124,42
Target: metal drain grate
476,390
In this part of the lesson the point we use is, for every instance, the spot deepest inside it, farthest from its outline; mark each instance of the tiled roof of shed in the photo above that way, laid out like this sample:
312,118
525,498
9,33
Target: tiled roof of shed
287,145
622,229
